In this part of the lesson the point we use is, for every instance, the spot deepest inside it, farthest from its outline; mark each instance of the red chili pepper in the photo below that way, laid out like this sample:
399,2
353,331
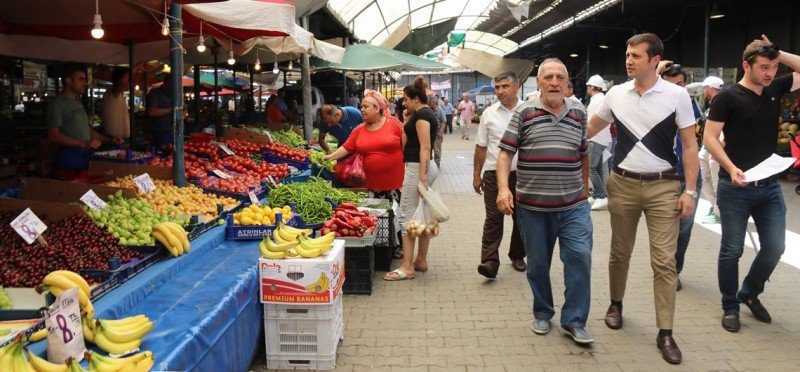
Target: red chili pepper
345,232
338,234
348,205
341,215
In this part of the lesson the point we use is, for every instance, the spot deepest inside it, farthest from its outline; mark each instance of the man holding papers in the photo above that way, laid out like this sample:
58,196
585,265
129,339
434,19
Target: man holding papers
747,113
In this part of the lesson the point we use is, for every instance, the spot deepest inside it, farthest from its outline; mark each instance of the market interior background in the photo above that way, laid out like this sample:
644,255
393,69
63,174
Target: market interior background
205,305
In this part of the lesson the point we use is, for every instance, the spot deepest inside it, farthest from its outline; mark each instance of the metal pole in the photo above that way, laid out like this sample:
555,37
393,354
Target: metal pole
344,87
144,89
196,95
235,103
131,96
706,39
217,124
252,117
176,95
305,73
285,80
588,57
363,80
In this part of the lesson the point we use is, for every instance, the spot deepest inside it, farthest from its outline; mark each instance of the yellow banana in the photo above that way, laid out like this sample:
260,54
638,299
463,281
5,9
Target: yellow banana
143,365
270,254
278,238
7,360
307,253
327,238
174,240
112,347
88,311
75,366
291,253
127,335
61,283
82,299
322,247
88,334
108,362
285,235
131,320
21,363
43,365
294,230
180,233
38,335
271,246
174,251
74,278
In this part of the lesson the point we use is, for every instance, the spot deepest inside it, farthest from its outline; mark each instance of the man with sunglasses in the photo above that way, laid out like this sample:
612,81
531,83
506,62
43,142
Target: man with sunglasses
68,125
747,114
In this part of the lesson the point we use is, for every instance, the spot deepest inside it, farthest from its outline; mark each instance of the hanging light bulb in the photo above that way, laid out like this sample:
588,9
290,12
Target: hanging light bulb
201,44
165,22
231,60
136,87
97,30
275,69
258,65
290,65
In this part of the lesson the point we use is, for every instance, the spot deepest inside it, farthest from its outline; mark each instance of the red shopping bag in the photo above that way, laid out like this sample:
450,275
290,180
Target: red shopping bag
795,147
351,171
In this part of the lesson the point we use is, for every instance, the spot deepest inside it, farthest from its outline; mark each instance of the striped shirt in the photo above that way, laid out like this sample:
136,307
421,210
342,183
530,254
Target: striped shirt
549,171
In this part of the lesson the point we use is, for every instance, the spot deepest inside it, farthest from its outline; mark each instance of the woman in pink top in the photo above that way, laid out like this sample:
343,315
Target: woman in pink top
465,108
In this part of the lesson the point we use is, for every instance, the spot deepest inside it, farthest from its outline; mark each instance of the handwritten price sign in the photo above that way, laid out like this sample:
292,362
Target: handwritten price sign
144,183
254,198
221,174
28,226
223,146
93,201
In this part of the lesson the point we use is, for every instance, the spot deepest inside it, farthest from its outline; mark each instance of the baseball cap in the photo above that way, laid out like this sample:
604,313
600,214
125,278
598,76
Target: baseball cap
713,81
597,81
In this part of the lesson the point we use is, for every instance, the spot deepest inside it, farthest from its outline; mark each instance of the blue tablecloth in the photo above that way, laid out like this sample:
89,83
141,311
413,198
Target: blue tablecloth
204,305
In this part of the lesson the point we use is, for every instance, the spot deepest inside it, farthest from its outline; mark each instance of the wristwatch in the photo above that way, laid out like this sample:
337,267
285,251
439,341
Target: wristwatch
693,193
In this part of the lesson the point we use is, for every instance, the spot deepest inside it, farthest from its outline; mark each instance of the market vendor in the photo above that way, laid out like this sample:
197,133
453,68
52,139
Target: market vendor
339,122
159,111
116,118
68,124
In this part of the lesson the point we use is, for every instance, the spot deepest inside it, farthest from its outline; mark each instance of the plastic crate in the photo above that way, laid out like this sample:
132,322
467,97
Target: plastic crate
385,242
275,159
315,363
234,232
356,242
359,269
306,333
302,176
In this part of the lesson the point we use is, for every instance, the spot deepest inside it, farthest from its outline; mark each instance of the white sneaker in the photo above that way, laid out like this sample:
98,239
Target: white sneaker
600,204
591,200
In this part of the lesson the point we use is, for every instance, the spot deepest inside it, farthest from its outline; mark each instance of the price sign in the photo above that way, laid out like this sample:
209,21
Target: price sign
272,180
28,226
254,198
64,332
93,201
144,183
270,137
221,174
223,146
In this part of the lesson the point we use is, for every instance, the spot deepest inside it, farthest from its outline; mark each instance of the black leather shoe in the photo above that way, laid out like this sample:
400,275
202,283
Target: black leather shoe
680,285
487,270
519,264
669,349
730,321
759,312
614,317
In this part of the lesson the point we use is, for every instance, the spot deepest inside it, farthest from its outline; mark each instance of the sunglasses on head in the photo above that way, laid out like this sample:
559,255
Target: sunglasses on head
762,50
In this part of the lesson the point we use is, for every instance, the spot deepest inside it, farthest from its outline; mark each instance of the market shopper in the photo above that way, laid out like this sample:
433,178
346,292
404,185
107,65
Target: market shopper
649,112
494,122
466,109
598,145
274,116
353,101
159,111
68,125
747,113
549,135
419,131
448,111
438,111
379,141
338,122
116,118
709,167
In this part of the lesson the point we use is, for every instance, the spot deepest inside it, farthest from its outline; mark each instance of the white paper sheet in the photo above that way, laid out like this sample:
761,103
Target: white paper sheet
773,165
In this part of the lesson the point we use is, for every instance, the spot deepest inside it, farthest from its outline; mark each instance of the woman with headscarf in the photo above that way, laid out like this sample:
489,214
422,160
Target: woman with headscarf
379,141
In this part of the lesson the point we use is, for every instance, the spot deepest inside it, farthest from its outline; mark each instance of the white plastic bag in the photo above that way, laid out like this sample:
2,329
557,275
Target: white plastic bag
421,223
436,207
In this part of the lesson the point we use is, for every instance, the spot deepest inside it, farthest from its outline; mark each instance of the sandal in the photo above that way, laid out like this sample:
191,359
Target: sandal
420,268
398,254
400,275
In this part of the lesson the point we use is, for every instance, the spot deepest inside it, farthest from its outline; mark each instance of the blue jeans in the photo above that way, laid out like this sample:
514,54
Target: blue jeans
598,170
573,229
73,158
766,205
686,229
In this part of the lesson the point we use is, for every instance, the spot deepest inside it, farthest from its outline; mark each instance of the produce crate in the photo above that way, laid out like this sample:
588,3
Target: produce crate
128,159
21,315
317,170
303,337
233,232
356,242
299,177
275,159
261,194
385,245
110,279
359,269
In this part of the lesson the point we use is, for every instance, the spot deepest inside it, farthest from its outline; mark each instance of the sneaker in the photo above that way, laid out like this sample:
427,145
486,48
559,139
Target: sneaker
600,204
759,312
579,335
540,326
711,219
591,200
730,321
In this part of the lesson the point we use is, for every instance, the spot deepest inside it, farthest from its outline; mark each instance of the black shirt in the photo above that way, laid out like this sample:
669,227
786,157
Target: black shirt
751,121
411,151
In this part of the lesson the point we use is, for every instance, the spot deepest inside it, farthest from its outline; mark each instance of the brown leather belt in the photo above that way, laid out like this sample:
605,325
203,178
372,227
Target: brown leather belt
669,174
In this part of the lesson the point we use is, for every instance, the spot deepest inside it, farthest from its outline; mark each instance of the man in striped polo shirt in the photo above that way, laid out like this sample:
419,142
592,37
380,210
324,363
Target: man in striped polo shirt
552,177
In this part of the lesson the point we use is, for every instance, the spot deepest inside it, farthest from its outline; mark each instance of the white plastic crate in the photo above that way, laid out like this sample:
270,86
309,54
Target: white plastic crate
319,363
303,332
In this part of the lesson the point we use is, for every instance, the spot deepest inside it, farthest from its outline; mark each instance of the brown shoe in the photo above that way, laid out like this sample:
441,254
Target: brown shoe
669,349
614,317
488,270
519,264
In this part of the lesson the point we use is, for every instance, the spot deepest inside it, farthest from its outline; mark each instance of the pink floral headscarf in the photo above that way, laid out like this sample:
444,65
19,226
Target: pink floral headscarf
377,99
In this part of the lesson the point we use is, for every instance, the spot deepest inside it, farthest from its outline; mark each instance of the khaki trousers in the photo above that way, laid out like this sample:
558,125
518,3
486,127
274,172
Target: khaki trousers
627,199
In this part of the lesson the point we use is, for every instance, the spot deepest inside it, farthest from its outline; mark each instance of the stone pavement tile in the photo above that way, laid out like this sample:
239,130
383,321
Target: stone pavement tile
465,360
409,350
425,360
486,369
409,369
579,367
447,369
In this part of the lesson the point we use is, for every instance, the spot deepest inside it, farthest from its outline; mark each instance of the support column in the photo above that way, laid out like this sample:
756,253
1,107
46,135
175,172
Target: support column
305,73
176,94
706,41
196,90
217,125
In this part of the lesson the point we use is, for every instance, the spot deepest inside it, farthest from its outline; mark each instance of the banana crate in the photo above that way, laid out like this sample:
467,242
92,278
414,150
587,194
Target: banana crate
258,232
303,337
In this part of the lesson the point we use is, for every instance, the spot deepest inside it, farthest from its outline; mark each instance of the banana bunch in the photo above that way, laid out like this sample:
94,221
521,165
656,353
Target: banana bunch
172,236
293,242
321,285
121,336
61,280
12,357
138,362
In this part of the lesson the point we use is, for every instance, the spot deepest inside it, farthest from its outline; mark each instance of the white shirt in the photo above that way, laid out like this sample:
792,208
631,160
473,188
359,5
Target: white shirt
116,120
494,121
647,125
604,136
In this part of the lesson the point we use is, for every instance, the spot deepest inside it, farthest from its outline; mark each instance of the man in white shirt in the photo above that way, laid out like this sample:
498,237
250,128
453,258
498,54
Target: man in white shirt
494,121
649,112
598,171
570,94
116,118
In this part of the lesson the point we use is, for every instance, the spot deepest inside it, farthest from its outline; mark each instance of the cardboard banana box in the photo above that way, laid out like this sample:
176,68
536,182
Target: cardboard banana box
313,281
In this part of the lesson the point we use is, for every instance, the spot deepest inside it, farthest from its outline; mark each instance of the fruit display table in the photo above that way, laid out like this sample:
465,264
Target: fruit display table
205,306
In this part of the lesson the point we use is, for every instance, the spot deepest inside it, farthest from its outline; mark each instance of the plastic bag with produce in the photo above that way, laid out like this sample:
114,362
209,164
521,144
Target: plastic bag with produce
436,207
421,223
